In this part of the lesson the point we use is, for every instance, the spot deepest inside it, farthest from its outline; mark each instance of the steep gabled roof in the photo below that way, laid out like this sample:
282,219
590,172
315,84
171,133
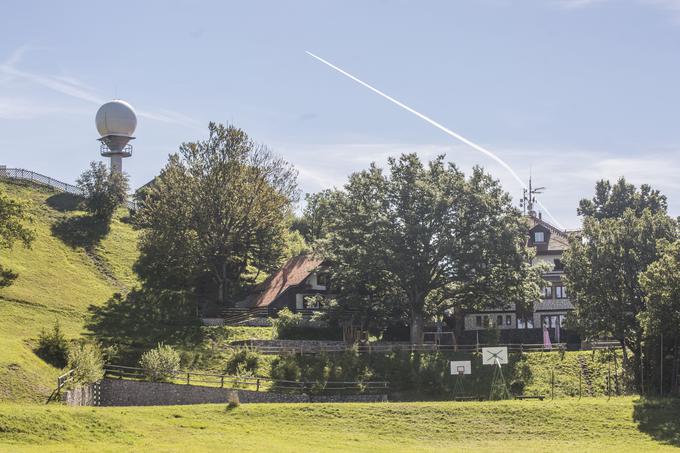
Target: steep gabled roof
557,239
293,273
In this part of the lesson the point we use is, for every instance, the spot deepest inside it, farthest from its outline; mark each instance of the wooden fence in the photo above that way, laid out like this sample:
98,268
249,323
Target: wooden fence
251,383
378,347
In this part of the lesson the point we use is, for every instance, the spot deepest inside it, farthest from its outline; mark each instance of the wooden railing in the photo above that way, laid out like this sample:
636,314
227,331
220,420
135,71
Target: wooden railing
28,175
61,382
250,382
378,347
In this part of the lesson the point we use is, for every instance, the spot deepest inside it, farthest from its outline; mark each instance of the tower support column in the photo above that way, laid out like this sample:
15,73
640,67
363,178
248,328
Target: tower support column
117,164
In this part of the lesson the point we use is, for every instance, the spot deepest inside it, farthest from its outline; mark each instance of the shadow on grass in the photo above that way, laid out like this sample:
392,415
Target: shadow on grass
80,231
660,418
64,202
141,319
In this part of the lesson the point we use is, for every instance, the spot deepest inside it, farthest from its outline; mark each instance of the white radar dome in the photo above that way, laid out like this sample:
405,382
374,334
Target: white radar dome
116,118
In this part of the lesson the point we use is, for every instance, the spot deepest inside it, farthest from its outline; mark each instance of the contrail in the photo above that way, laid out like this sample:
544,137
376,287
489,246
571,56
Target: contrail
444,129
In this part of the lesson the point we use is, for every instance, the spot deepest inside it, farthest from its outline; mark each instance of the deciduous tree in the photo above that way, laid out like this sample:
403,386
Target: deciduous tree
605,260
426,234
221,206
104,191
13,219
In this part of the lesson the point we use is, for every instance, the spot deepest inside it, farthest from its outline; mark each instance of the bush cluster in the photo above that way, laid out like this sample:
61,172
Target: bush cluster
160,363
53,347
87,361
243,362
292,326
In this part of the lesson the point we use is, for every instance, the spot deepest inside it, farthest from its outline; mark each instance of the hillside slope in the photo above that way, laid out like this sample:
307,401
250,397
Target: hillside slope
69,267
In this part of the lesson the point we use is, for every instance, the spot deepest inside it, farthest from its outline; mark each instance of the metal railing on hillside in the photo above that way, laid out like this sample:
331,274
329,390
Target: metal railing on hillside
37,178
253,383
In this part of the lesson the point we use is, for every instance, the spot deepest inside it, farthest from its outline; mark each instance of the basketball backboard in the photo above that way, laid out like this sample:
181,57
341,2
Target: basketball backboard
491,354
461,367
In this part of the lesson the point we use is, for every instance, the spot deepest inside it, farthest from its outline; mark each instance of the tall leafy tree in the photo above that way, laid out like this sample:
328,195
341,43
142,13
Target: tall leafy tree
220,207
104,190
423,233
612,200
661,283
13,219
617,243
313,224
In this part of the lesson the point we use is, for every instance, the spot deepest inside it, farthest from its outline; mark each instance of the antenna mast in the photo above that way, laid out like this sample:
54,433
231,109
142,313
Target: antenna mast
529,198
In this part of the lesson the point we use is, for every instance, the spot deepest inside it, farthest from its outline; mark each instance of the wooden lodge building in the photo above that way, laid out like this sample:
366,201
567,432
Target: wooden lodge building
550,312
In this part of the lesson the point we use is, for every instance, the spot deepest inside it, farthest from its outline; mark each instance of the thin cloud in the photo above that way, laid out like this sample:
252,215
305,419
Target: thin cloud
568,174
74,88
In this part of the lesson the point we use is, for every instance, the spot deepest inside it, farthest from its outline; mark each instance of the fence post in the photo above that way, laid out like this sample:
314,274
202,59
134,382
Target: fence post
257,389
552,383
188,377
580,378
222,381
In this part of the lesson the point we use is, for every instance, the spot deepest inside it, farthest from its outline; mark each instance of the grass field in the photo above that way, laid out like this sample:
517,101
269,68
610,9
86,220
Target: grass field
597,425
65,271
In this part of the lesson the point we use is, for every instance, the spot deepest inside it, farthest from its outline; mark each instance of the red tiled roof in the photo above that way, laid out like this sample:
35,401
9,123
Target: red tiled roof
294,272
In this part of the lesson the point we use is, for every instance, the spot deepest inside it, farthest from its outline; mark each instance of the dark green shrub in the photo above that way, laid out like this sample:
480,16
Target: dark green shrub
286,368
53,347
517,387
243,361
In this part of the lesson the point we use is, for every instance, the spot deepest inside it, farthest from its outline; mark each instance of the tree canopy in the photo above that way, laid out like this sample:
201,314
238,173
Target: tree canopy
104,190
620,239
13,219
424,235
220,208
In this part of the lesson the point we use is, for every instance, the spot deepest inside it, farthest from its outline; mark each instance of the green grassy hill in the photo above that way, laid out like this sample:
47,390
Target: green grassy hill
68,267
590,425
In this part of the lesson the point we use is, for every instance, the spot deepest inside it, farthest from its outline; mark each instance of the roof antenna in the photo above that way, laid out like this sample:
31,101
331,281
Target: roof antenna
529,198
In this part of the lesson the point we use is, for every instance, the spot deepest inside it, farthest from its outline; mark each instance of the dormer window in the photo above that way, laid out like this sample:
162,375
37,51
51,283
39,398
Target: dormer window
539,236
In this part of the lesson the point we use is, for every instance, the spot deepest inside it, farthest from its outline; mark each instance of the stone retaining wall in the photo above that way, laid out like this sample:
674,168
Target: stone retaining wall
83,396
115,392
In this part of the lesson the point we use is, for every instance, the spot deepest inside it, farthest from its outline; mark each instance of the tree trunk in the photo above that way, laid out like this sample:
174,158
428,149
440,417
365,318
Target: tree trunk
416,327
221,280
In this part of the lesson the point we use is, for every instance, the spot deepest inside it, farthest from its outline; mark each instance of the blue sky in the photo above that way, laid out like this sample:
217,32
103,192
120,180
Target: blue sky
575,90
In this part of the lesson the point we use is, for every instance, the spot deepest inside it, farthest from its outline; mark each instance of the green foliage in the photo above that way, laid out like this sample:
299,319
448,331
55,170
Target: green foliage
243,362
285,320
661,317
423,238
313,225
53,347
13,216
622,232
612,200
160,363
661,283
292,326
104,191
87,361
144,317
286,368
218,209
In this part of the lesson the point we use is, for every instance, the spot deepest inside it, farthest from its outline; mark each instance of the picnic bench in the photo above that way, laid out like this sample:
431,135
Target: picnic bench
469,398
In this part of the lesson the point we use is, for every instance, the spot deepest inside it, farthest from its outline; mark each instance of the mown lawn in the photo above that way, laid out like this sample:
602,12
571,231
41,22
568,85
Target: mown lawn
597,425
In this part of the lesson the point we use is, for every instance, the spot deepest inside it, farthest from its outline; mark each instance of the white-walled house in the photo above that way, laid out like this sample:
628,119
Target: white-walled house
550,243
